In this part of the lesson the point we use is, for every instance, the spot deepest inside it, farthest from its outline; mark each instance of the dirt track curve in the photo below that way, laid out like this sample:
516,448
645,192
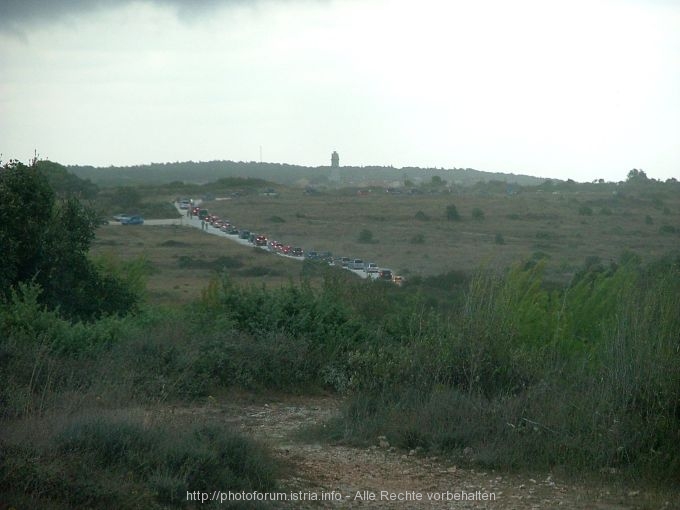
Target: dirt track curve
350,476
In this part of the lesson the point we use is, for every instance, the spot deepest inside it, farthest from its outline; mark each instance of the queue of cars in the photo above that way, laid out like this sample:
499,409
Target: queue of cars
365,269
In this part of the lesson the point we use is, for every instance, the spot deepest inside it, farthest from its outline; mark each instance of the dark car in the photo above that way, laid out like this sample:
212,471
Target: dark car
326,256
297,252
244,234
132,220
233,231
385,274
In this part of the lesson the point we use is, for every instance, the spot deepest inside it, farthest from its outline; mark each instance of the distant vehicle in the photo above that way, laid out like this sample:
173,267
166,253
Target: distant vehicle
344,261
244,234
385,274
371,267
311,255
203,214
252,237
120,217
356,265
133,220
261,241
326,256
297,252
233,231
185,203
286,249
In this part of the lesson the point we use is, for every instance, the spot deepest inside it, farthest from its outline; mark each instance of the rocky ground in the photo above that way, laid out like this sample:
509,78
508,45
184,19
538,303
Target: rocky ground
384,477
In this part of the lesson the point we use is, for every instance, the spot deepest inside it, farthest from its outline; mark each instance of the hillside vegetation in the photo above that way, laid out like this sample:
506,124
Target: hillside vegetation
495,366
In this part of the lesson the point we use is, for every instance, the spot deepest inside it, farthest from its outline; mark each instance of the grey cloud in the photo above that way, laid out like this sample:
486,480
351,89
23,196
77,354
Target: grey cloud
22,15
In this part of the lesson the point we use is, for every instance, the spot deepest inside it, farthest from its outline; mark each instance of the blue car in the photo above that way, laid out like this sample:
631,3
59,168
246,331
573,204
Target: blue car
132,220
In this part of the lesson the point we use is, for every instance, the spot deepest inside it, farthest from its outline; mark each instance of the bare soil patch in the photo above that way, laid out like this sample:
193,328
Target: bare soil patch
357,473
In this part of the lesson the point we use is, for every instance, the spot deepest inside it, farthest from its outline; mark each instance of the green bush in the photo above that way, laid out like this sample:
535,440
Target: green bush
451,213
477,214
366,236
97,462
421,216
417,239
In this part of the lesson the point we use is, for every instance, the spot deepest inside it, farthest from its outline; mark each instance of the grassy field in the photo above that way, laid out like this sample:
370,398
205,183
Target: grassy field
411,234
181,260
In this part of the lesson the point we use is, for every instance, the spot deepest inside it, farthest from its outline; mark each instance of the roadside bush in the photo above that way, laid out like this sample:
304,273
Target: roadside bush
102,461
417,239
421,216
499,239
585,210
667,229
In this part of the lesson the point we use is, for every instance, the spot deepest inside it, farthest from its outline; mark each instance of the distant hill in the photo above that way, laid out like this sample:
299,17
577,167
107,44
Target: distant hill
290,175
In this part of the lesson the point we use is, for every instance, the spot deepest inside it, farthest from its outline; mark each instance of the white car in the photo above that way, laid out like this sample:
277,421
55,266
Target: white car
371,267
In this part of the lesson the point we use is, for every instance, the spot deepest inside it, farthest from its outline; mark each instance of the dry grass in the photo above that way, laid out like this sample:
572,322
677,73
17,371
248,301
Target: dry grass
163,246
530,223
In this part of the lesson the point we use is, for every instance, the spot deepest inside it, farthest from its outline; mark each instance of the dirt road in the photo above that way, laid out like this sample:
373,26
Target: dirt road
383,477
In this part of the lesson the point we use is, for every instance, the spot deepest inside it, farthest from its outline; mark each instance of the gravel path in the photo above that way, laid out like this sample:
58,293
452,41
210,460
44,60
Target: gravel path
351,477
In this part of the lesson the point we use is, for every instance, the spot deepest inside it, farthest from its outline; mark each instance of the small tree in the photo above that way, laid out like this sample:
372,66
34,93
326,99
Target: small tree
477,213
366,236
452,213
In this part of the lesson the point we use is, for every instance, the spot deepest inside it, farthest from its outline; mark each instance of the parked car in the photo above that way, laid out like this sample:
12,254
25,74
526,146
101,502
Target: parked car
244,234
297,252
233,230
261,240
356,265
326,256
344,261
132,220
120,217
311,255
385,274
371,267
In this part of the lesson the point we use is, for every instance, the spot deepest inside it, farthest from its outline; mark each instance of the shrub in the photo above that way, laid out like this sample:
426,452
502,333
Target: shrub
667,229
452,213
477,214
417,239
649,220
277,219
584,210
366,236
421,216
104,462
499,239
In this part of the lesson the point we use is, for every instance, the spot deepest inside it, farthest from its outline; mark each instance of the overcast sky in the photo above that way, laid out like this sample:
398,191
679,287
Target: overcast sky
583,89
